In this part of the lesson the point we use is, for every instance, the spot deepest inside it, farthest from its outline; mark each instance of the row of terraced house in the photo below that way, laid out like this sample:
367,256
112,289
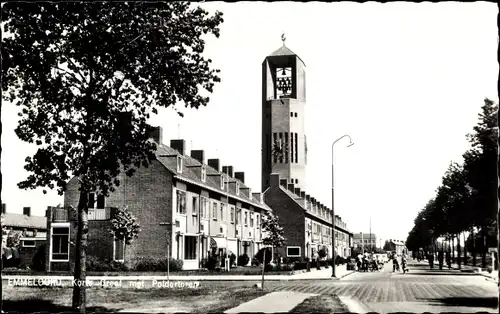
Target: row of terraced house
196,207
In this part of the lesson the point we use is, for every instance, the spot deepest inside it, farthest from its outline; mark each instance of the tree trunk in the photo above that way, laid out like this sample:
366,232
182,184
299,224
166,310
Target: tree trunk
465,248
453,249
474,261
485,249
80,272
1,257
263,267
458,251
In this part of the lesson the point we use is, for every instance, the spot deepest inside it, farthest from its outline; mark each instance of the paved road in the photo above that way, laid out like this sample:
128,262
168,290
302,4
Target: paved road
420,290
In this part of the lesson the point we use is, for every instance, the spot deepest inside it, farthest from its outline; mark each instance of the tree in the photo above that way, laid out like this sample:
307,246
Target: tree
274,235
124,226
87,76
387,246
479,161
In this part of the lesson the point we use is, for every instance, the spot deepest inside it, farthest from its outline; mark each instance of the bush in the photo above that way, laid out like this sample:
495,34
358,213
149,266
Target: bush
260,255
339,260
210,263
158,264
232,258
322,253
243,260
38,260
96,264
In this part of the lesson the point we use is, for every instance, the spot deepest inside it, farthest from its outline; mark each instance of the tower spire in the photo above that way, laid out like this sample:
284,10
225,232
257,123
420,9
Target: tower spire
283,38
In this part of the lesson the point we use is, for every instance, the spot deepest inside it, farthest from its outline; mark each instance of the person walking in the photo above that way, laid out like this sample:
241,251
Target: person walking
430,258
448,259
395,265
440,259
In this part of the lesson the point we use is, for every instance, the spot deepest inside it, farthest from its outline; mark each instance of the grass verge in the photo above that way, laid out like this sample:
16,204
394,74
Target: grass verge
325,303
209,298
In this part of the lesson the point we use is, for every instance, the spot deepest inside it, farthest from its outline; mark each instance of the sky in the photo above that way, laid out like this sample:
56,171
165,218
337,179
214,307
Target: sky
405,80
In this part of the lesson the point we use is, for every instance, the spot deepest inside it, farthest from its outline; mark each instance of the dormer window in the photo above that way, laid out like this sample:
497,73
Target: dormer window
237,189
203,174
179,164
222,182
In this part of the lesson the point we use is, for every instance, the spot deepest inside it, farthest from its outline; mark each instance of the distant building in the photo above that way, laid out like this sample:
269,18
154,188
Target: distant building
32,231
365,241
397,246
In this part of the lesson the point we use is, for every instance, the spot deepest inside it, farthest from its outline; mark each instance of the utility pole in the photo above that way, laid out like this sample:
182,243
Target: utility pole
370,247
168,250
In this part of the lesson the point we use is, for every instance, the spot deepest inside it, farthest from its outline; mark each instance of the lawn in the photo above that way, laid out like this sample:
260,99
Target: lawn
206,298
325,303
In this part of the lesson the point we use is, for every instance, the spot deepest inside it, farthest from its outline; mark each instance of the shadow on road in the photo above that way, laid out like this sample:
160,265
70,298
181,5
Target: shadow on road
440,273
45,306
467,302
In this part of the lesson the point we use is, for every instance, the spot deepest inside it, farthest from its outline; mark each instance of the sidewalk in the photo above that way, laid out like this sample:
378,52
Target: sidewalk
274,302
324,273
477,270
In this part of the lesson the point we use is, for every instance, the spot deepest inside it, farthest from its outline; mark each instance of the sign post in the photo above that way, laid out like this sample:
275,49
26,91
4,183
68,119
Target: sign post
168,250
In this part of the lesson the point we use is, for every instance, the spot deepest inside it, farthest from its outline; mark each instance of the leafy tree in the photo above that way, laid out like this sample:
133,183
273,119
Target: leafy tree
87,76
479,161
124,226
387,246
274,235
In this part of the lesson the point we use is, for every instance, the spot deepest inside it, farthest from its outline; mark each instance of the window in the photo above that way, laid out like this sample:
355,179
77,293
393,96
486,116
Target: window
221,182
296,149
291,114
181,202
214,210
195,206
275,156
286,145
281,141
291,148
204,211
91,200
60,244
29,243
251,220
293,251
101,201
296,181
258,221
203,174
119,250
246,218
295,115
179,164
232,215
222,216
238,215
190,247
237,188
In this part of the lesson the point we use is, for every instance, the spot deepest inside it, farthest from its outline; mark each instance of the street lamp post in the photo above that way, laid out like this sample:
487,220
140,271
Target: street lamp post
333,201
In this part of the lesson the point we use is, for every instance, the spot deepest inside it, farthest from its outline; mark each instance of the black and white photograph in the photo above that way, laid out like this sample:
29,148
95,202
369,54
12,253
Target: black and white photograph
249,157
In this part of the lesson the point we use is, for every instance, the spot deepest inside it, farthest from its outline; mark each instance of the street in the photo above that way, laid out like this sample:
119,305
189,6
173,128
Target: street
420,290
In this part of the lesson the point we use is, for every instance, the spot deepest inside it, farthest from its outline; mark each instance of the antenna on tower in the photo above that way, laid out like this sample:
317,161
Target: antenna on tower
283,38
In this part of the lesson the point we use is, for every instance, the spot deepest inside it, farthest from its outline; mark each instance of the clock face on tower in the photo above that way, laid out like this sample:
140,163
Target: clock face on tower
283,82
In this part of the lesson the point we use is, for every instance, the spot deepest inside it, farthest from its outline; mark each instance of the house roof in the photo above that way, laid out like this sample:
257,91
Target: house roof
188,175
296,199
284,51
24,221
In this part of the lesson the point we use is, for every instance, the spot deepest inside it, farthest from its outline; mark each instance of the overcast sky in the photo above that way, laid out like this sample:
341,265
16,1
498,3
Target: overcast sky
405,80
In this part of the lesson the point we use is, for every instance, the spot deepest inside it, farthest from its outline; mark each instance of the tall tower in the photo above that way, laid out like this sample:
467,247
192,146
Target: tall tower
284,148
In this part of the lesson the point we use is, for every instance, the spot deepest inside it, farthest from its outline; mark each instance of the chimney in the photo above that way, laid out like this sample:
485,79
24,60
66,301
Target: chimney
214,163
313,200
308,197
27,211
297,191
283,183
156,133
198,155
178,145
4,208
303,194
228,170
240,176
274,180
290,187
